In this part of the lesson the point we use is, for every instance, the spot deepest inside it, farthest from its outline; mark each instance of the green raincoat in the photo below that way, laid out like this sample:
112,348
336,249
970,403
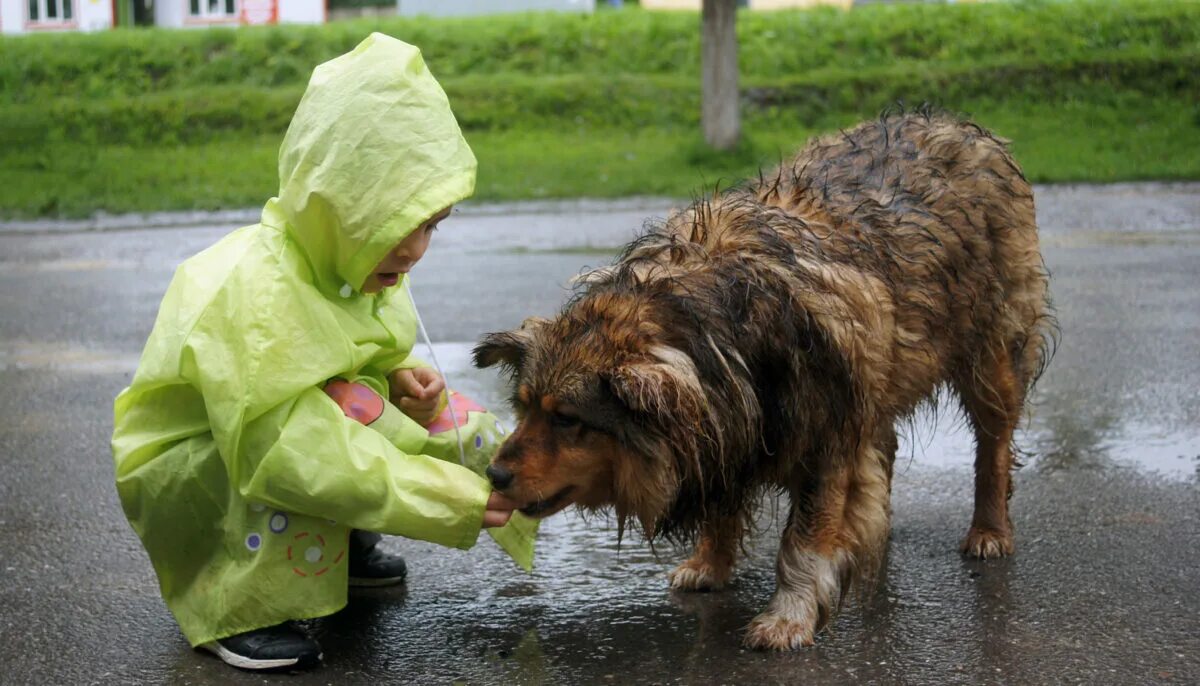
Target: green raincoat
255,434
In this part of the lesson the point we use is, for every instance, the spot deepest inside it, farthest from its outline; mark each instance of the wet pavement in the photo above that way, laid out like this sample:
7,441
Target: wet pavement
1103,588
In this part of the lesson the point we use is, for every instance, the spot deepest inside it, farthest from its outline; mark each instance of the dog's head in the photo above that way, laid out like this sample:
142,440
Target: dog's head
604,400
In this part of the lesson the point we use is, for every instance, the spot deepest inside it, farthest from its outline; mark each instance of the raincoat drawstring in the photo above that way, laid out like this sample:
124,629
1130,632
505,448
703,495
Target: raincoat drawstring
462,455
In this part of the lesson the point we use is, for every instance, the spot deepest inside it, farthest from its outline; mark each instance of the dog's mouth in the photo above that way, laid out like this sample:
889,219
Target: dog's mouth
544,508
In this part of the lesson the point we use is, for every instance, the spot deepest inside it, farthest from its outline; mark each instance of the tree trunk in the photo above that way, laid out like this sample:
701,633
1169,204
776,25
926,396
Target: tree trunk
718,41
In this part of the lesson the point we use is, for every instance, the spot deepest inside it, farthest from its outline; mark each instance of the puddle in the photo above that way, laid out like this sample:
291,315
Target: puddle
65,357
1049,446
1096,237
68,266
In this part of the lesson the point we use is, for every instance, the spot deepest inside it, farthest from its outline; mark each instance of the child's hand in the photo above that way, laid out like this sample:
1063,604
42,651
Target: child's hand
499,509
417,392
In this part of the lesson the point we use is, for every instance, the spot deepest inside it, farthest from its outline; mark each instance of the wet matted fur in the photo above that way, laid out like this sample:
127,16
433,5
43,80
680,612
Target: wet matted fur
771,337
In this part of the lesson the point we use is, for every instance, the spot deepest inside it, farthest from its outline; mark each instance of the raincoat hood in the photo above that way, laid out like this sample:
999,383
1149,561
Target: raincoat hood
372,152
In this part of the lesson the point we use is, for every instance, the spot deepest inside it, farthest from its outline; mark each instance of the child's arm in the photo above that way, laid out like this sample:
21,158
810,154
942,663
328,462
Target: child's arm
360,403
307,456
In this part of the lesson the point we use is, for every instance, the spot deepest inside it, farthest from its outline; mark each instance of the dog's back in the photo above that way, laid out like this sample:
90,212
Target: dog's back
915,248
945,215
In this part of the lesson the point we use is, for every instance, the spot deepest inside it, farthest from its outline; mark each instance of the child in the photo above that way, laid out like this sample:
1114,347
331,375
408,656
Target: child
244,459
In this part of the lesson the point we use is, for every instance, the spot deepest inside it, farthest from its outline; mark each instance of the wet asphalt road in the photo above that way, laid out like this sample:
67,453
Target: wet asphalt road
1103,588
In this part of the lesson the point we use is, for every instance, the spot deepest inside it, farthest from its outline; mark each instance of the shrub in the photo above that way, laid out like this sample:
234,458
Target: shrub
629,102
772,45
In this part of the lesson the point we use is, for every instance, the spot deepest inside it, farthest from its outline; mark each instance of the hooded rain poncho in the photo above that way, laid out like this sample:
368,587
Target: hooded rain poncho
236,466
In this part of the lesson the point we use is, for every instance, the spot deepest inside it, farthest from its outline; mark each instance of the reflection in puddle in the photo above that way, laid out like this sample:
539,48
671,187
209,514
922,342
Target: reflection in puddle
525,663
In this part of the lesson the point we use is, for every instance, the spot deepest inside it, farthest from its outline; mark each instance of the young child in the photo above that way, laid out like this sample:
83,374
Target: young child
277,415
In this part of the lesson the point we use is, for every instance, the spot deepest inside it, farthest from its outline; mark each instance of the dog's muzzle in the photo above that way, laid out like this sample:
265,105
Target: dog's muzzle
500,477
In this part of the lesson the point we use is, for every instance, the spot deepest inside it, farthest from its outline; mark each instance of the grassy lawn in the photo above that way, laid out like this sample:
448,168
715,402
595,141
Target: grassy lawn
1072,141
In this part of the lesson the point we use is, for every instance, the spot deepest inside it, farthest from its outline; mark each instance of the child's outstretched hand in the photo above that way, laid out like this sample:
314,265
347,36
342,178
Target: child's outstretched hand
499,509
417,392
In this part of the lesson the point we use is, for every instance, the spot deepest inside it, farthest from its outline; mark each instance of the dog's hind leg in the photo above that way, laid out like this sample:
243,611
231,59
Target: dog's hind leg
837,529
711,565
868,513
992,395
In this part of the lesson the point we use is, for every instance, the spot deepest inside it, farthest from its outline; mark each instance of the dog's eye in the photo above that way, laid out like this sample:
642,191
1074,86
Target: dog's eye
564,421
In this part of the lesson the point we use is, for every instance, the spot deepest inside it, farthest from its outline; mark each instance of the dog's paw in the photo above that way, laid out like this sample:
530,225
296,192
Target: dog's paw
769,631
695,575
987,543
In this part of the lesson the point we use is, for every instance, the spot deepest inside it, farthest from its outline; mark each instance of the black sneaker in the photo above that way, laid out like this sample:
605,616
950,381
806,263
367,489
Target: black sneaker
373,567
283,647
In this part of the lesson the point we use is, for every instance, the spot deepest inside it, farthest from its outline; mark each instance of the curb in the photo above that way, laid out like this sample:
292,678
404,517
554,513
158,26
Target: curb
102,221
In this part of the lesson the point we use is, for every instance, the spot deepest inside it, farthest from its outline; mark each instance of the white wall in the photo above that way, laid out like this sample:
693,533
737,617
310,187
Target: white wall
445,8
301,11
170,12
12,16
94,15
88,15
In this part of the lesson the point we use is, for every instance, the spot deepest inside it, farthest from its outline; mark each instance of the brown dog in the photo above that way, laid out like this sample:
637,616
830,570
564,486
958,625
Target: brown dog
771,338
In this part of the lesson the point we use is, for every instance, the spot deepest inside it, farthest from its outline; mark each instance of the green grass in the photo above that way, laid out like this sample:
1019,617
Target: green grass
605,105
1128,138
64,179
1131,139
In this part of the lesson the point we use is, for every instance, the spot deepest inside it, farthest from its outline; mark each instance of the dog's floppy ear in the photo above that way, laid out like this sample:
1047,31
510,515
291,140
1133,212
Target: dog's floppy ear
665,385
508,348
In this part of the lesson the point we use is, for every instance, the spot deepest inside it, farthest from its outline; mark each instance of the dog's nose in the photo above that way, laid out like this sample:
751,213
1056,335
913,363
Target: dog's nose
500,476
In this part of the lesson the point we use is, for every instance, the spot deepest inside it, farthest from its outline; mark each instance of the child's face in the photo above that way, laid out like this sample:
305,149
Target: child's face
404,256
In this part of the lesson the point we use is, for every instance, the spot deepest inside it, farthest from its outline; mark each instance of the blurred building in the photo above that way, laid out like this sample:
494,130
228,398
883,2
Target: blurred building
21,16
32,16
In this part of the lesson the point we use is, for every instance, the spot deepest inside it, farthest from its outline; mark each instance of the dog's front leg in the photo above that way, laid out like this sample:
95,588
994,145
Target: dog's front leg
837,529
809,574
711,565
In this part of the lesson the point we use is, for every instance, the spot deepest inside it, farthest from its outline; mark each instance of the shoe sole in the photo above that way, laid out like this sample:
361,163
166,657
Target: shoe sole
364,582
242,662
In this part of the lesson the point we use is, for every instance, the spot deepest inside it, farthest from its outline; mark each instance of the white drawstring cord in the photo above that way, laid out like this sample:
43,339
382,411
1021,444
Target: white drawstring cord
462,455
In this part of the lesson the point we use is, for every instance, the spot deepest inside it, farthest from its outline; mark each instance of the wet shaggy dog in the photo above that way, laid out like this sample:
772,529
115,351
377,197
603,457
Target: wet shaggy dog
770,338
